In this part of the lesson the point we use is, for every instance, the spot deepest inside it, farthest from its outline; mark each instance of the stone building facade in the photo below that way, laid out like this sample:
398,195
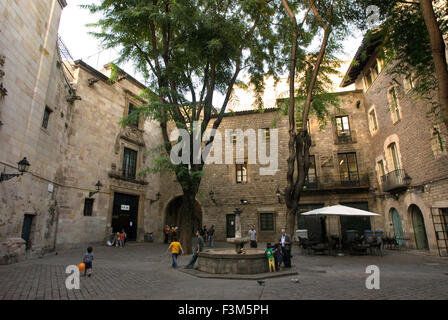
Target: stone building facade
64,117
28,38
409,153
328,181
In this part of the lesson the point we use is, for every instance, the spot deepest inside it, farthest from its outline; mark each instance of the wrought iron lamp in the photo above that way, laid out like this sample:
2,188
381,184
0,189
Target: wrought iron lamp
98,185
158,195
278,194
22,165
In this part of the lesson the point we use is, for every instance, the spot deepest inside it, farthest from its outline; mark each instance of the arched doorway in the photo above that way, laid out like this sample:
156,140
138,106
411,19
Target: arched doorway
396,223
421,240
172,214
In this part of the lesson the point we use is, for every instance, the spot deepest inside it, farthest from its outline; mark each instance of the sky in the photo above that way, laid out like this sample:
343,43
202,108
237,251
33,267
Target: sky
74,33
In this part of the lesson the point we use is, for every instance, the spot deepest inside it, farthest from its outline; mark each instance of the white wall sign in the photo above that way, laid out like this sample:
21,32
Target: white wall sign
50,187
125,207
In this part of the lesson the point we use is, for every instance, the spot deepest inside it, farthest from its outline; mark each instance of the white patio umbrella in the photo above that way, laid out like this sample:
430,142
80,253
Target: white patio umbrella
340,210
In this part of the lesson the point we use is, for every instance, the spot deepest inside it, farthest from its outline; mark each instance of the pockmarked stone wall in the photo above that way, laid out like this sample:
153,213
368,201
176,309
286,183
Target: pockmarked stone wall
96,143
260,190
32,80
422,154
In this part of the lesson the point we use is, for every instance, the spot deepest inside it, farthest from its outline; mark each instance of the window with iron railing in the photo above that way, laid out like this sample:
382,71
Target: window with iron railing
129,163
267,221
131,110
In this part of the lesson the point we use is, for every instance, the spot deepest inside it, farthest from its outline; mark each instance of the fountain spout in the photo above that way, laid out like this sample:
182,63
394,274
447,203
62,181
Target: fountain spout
238,240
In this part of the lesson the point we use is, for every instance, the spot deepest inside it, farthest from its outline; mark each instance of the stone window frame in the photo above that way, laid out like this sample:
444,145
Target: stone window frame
45,119
388,164
372,128
409,82
128,145
438,143
267,133
130,99
378,169
92,201
394,111
244,164
274,220
379,63
349,125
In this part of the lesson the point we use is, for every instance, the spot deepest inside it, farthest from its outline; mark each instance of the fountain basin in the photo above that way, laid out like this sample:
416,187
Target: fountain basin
227,261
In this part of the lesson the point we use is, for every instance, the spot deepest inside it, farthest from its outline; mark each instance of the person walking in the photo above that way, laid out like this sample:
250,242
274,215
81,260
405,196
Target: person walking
253,237
176,249
285,242
198,246
211,233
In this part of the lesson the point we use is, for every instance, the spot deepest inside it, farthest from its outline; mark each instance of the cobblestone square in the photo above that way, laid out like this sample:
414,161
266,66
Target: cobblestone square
143,271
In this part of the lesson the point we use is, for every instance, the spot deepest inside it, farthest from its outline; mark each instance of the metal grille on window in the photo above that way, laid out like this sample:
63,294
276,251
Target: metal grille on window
129,163
132,108
266,222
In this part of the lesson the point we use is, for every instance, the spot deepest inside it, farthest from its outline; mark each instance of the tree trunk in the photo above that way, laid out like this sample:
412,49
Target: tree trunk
438,55
186,214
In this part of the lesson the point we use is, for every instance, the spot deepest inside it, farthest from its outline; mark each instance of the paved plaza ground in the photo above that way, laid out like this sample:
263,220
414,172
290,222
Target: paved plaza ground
143,271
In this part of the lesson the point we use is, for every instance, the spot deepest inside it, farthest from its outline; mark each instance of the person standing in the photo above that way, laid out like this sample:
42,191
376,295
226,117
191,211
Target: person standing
176,249
285,242
253,237
211,233
88,261
166,233
198,246
204,233
270,255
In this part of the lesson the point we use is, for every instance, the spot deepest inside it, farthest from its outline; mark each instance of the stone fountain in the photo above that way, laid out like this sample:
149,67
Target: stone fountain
238,240
234,261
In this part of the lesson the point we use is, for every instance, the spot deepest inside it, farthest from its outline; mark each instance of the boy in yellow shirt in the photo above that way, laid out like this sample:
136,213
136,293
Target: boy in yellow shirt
176,249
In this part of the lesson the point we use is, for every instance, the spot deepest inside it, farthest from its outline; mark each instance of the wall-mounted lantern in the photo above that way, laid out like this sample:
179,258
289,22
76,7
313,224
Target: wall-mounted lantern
278,194
158,195
23,166
98,186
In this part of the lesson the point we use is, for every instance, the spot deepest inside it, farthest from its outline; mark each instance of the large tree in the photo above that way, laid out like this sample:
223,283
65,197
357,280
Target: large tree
326,22
188,50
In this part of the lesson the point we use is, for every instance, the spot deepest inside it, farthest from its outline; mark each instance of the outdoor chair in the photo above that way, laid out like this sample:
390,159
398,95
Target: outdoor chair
305,244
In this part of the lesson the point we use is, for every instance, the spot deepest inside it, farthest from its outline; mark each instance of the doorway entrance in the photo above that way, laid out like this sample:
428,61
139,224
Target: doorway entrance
230,226
26,229
172,217
421,240
125,215
396,223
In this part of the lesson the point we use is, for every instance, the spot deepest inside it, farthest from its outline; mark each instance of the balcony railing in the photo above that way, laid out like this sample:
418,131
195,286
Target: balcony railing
394,180
329,182
345,137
